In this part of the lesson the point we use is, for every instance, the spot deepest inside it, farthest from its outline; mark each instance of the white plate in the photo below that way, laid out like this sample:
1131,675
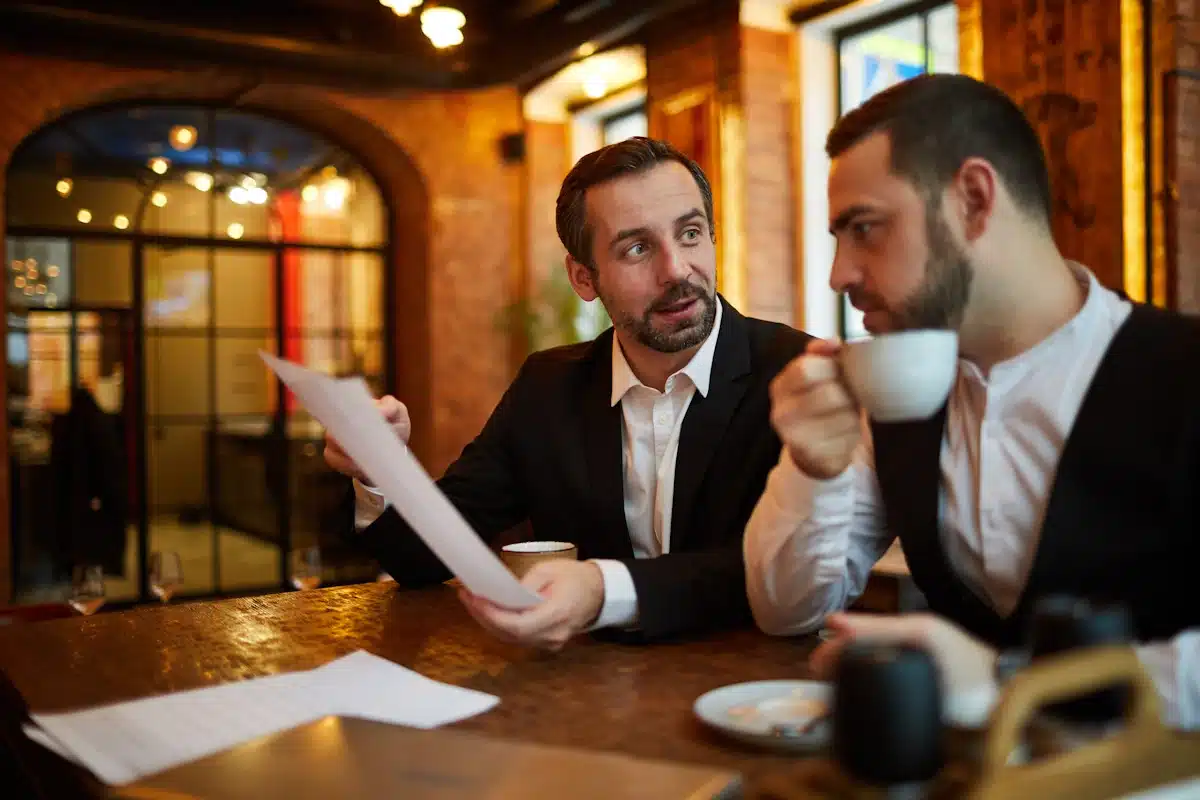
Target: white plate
747,712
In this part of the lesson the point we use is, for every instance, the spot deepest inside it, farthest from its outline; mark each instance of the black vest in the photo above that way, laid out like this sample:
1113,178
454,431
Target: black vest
1123,519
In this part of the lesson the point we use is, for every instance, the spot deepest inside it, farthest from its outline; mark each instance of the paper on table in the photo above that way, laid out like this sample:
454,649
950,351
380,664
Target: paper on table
346,409
126,741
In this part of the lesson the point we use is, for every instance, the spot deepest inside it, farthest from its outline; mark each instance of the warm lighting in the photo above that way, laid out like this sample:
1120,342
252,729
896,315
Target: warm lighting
201,181
182,137
159,199
41,288
64,187
29,290
239,195
31,263
586,49
120,222
235,230
158,165
595,87
19,281
443,25
329,173
84,216
257,195
18,266
401,7
52,271
31,273
335,193
1133,155
310,194
248,182
51,299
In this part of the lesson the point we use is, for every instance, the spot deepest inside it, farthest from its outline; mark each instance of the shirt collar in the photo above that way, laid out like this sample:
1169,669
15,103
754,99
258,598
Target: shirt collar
698,370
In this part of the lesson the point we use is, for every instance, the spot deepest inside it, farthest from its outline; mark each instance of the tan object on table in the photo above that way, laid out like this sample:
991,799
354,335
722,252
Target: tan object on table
521,557
343,757
1144,755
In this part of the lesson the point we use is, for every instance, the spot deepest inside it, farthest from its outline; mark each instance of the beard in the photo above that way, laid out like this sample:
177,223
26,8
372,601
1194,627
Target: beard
676,336
941,299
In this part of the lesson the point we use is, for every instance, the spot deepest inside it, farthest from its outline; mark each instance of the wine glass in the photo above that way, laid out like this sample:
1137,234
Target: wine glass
306,568
166,575
87,589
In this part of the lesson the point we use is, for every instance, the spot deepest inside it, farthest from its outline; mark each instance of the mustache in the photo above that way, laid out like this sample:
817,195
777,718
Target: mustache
677,293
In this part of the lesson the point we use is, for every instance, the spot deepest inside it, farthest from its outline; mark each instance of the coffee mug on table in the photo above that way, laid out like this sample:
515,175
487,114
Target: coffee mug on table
521,557
903,376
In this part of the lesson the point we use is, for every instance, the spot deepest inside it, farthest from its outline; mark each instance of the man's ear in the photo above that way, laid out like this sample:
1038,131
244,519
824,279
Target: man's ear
583,280
974,190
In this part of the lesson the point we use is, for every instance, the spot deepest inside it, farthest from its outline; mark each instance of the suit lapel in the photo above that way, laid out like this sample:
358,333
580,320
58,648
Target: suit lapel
707,419
602,441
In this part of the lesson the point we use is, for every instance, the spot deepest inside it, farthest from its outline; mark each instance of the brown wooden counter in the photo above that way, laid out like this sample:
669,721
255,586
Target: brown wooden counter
635,699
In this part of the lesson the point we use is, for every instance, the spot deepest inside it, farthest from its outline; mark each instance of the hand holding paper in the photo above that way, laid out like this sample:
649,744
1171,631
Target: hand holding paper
346,409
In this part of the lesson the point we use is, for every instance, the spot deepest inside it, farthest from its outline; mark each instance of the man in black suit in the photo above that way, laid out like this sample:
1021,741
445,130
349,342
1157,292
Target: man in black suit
647,448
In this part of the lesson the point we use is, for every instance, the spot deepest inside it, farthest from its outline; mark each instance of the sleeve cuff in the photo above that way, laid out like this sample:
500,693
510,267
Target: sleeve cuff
620,609
369,505
1173,668
798,496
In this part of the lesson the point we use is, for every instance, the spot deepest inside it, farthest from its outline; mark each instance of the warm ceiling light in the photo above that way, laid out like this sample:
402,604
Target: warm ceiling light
595,88
401,7
158,165
182,137
248,182
235,230
120,222
64,187
159,199
257,195
335,193
239,195
443,25
586,49
201,181
310,193
84,216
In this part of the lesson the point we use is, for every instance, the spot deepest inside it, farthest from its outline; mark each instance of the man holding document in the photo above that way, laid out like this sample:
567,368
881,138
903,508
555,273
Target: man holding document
646,448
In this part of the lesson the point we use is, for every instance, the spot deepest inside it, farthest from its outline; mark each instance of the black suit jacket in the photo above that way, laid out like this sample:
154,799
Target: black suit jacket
551,454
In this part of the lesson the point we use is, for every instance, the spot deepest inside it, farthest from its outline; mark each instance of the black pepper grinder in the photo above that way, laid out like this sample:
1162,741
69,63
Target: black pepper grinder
887,717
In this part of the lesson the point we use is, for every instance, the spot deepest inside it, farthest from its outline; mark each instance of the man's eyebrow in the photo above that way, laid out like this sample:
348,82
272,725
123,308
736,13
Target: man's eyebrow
690,216
682,219
847,216
628,233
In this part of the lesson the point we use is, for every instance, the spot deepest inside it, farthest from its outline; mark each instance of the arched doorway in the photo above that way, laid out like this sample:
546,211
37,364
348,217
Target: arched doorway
152,250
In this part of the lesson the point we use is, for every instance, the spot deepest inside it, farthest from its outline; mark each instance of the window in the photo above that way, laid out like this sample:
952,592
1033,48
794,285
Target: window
627,123
152,252
882,52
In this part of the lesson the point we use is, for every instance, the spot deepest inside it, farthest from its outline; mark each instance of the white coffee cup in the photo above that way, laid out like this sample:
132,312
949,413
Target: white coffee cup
903,376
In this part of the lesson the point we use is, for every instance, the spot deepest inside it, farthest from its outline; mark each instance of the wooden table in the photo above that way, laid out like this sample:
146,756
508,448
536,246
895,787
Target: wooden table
634,699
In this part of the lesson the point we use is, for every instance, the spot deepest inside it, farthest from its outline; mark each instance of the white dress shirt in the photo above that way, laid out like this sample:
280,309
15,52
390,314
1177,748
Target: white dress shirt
810,544
651,423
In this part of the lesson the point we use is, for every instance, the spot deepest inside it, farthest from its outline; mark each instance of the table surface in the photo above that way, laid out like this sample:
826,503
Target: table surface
635,699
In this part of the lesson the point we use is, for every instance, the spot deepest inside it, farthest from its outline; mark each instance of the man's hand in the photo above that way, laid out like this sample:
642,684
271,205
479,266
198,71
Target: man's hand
965,663
813,412
396,415
573,593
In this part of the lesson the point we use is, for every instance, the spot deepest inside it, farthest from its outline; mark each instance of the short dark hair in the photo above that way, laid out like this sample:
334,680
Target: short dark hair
936,122
628,157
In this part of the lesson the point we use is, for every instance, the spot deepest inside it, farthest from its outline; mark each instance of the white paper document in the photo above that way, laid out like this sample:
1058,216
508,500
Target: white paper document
123,742
347,410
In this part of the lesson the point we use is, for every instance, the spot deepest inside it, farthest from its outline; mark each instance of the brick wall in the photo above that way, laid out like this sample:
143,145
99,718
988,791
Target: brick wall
454,215
768,94
1177,51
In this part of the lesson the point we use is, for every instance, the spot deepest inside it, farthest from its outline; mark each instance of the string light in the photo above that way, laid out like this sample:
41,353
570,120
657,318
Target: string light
159,199
182,137
159,165
235,230
120,222
201,181
84,216
64,187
